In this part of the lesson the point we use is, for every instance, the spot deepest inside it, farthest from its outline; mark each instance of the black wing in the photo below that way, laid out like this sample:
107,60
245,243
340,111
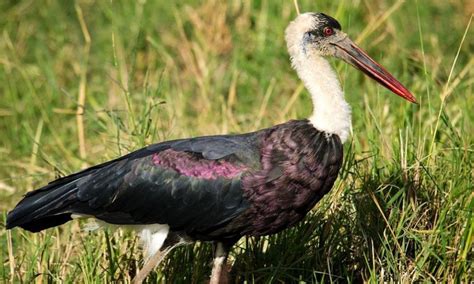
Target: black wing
190,184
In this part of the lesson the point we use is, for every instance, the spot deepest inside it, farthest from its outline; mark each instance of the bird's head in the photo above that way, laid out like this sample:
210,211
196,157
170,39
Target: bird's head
316,34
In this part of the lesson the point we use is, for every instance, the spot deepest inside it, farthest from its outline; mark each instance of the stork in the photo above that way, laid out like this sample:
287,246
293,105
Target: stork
220,188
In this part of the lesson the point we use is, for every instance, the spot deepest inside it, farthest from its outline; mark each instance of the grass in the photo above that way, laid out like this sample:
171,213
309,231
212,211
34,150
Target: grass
84,82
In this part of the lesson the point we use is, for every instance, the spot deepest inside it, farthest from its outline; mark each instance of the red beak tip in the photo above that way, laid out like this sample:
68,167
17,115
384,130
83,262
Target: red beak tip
412,99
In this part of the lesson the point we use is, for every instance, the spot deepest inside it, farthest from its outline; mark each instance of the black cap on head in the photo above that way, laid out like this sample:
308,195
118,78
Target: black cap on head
327,20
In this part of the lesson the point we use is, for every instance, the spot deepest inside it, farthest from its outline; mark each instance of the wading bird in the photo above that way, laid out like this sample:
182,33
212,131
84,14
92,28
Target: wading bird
220,188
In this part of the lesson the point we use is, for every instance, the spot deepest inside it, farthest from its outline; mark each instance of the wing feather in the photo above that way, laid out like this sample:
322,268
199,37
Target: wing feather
203,193
138,190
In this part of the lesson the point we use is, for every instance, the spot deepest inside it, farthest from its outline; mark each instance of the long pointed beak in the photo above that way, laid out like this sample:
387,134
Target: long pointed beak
352,54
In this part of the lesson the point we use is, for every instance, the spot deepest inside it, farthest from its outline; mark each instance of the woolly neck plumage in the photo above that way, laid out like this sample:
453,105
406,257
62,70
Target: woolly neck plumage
331,112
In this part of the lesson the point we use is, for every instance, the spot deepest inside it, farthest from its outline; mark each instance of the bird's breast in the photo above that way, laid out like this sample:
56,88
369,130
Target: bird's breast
299,166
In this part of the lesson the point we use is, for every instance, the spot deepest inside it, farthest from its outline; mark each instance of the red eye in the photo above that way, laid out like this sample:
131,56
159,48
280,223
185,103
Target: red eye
328,31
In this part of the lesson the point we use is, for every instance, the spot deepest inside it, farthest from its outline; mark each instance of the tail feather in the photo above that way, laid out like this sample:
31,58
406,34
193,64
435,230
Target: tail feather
44,208
53,204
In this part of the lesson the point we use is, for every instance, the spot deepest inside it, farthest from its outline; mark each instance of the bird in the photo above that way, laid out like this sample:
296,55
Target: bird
220,188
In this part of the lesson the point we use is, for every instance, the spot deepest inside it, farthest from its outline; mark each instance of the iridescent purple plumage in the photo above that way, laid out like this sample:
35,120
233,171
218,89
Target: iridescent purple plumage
189,165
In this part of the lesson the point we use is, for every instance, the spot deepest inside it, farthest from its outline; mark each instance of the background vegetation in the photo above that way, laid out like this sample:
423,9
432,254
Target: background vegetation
82,82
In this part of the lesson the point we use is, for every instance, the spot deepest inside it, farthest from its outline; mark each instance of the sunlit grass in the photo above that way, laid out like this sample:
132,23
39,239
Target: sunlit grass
151,70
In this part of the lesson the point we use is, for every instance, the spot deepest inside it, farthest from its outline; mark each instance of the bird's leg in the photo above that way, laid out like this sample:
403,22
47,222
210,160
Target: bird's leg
221,252
150,264
170,243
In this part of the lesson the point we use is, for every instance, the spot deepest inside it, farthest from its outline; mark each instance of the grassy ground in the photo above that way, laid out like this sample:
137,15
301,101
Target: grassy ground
145,71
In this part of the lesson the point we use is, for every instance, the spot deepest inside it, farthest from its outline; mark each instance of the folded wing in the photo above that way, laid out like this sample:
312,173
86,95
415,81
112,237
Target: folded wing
191,184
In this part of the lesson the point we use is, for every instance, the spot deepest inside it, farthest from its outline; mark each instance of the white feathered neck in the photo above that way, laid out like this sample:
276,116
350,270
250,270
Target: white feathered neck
331,113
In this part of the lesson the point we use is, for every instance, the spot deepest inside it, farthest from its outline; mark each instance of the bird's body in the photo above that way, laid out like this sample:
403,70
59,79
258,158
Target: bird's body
220,188
214,188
